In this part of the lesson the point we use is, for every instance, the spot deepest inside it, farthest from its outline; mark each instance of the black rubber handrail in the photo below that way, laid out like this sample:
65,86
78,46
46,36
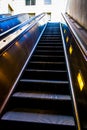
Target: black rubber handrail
71,84
31,23
2,16
80,40
11,17
19,24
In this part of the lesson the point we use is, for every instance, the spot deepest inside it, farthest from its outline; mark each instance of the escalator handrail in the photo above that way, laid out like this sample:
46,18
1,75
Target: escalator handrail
30,20
80,41
11,17
71,84
31,23
13,27
2,16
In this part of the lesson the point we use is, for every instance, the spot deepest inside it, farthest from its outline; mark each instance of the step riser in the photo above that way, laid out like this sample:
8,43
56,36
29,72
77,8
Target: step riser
57,106
44,87
47,52
49,48
26,126
47,66
62,76
45,59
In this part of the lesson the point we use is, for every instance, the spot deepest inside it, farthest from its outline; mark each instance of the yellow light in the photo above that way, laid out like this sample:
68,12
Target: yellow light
70,49
80,81
17,44
67,39
4,54
64,31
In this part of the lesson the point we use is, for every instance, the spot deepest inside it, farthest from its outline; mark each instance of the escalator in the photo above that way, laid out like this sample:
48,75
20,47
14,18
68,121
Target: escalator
2,16
42,97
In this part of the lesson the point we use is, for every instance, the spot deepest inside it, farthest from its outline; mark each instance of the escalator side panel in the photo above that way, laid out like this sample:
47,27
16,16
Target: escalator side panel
13,60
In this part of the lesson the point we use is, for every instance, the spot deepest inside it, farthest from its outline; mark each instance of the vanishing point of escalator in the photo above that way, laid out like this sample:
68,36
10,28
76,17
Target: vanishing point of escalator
42,97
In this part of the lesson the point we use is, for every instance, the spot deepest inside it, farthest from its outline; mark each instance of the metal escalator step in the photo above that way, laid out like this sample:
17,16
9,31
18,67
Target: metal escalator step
49,52
48,40
44,81
44,71
47,65
51,36
46,58
56,35
50,43
49,29
53,63
47,75
52,33
56,49
23,115
39,95
55,87
50,48
40,100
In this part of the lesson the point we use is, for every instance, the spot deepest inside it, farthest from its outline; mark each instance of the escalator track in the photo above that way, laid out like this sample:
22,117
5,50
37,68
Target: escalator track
42,97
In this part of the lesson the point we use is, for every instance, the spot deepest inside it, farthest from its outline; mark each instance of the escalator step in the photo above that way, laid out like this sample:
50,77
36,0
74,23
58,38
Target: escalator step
49,52
45,74
56,87
45,58
24,115
49,47
50,44
47,96
47,65
44,81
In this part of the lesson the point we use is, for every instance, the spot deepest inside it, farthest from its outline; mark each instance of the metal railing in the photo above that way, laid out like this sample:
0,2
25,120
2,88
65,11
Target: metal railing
22,28
81,42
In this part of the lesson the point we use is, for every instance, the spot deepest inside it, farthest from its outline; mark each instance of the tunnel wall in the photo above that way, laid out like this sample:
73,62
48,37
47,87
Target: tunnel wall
78,10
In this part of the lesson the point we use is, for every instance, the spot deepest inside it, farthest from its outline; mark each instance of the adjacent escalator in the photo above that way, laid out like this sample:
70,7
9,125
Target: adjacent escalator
42,97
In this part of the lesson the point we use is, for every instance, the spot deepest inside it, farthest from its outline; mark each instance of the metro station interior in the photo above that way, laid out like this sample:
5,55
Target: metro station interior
43,64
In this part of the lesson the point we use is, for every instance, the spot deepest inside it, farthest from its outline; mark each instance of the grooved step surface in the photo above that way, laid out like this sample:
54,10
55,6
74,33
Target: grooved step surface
26,116
42,96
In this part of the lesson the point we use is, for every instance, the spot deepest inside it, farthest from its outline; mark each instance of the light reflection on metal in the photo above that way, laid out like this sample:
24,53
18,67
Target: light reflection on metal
1,29
67,39
80,81
25,36
7,56
70,49
4,54
17,44
3,77
64,31
11,37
